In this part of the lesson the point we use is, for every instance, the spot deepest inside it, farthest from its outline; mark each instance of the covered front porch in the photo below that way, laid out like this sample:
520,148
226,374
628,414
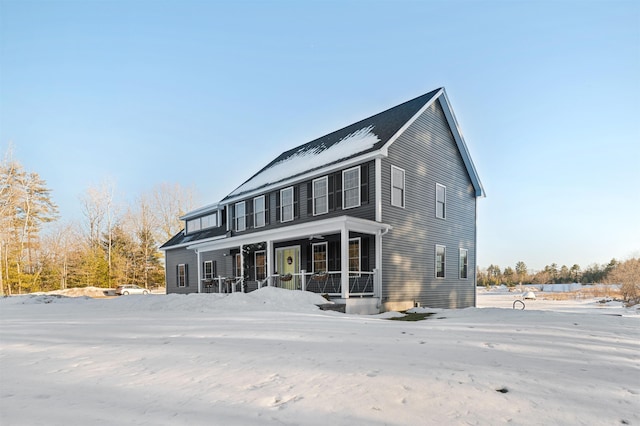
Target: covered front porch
338,257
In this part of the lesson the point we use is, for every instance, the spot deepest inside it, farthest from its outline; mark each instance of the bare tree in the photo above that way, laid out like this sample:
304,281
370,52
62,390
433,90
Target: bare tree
168,202
627,274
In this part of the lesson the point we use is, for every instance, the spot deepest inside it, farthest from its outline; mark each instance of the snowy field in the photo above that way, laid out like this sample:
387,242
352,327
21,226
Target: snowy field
272,358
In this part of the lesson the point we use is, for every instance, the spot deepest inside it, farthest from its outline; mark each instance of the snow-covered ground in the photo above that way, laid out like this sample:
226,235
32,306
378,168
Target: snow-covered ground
271,357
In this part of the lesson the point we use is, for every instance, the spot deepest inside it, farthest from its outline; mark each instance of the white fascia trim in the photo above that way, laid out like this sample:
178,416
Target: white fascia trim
314,173
188,243
378,176
210,208
385,147
302,230
462,146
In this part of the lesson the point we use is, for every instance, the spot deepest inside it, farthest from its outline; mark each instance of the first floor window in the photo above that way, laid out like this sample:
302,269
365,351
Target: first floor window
258,212
181,275
440,261
207,270
354,256
464,263
286,204
397,186
319,258
241,223
261,265
351,188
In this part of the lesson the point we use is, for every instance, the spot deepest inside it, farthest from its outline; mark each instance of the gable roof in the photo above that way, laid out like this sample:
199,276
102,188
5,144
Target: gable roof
365,136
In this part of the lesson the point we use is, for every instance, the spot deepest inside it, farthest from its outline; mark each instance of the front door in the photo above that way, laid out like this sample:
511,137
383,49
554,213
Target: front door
288,262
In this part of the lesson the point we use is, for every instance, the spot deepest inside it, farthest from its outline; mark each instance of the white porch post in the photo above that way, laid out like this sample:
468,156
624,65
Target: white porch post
344,261
269,261
241,268
378,274
199,271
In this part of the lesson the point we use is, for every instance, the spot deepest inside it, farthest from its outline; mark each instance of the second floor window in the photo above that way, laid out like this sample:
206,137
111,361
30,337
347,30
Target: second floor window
258,212
286,204
351,188
241,222
320,196
397,186
441,201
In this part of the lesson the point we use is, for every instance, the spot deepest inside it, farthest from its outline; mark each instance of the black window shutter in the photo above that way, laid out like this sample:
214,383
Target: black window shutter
278,201
267,204
186,274
338,191
296,204
309,198
364,184
330,190
248,208
177,275
214,269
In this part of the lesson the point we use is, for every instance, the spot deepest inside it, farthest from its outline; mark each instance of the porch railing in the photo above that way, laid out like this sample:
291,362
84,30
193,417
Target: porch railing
330,283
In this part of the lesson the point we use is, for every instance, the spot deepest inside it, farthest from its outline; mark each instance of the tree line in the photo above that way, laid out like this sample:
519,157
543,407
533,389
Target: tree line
626,273
112,244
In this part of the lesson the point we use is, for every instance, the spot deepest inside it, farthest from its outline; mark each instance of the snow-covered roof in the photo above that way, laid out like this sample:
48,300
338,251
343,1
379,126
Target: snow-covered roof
365,136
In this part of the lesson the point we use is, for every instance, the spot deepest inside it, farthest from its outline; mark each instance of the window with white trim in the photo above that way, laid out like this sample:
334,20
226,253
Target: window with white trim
397,186
441,201
193,225
260,265
181,275
258,212
354,256
351,188
204,222
441,254
241,219
286,204
464,263
207,270
319,257
320,195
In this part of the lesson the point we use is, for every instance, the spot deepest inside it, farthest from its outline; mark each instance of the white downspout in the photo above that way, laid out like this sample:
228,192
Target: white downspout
199,257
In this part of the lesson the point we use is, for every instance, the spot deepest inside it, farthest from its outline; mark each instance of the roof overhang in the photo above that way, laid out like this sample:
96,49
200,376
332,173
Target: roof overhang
303,230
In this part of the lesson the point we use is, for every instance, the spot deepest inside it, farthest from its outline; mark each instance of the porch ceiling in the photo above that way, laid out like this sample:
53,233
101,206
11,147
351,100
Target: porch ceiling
303,230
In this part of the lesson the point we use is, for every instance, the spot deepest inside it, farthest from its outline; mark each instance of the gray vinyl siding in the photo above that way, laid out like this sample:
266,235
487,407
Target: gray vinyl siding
303,214
173,259
429,155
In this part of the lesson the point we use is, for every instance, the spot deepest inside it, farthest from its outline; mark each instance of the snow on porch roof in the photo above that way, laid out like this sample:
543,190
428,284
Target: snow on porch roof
364,136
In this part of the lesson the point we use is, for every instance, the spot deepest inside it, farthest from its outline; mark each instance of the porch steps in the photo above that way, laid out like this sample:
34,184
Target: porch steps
338,307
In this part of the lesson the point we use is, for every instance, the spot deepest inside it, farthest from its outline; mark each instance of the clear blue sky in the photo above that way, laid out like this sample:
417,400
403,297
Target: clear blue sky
205,93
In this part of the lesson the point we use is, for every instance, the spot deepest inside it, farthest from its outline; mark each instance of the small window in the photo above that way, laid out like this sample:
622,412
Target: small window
260,265
319,258
320,196
209,221
193,225
441,252
464,263
181,275
208,270
354,256
441,201
397,186
351,188
286,204
241,222
258,212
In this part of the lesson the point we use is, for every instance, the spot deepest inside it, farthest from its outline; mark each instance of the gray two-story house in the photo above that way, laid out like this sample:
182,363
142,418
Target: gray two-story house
379,215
